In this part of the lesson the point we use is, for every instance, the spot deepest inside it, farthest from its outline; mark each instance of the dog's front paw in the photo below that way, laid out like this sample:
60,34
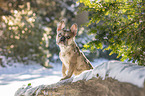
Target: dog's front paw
66,77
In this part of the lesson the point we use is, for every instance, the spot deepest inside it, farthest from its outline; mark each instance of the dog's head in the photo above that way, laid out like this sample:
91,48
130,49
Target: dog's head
65,37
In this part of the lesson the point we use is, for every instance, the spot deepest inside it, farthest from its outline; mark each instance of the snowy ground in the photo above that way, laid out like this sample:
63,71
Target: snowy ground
18,75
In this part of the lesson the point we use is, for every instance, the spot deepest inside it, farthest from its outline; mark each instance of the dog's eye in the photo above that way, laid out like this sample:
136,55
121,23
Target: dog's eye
68,37
59,35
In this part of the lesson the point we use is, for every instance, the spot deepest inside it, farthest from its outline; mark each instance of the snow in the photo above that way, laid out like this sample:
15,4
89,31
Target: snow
14,77
121,71
18,75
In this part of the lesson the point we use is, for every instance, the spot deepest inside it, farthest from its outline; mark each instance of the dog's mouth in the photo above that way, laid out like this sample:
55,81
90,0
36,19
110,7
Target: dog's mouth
62,42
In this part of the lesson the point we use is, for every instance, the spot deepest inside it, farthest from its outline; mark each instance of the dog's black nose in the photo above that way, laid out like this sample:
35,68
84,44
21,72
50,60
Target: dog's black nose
62,38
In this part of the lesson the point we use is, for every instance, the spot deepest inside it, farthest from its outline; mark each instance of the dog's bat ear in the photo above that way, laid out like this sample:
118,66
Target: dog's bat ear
60,25
74,29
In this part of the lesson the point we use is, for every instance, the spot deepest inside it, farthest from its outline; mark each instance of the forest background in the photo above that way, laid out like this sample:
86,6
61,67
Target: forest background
112,29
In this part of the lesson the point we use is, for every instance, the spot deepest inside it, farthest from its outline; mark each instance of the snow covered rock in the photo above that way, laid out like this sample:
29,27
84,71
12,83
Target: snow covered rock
30,91
126,75
123,72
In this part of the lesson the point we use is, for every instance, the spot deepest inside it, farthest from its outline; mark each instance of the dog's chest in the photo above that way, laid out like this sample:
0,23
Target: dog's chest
65,58
66,55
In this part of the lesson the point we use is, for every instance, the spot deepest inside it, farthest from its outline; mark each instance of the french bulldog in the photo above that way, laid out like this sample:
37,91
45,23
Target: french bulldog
73,60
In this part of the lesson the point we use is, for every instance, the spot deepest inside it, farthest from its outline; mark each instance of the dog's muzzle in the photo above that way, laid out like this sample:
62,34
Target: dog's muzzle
62,38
